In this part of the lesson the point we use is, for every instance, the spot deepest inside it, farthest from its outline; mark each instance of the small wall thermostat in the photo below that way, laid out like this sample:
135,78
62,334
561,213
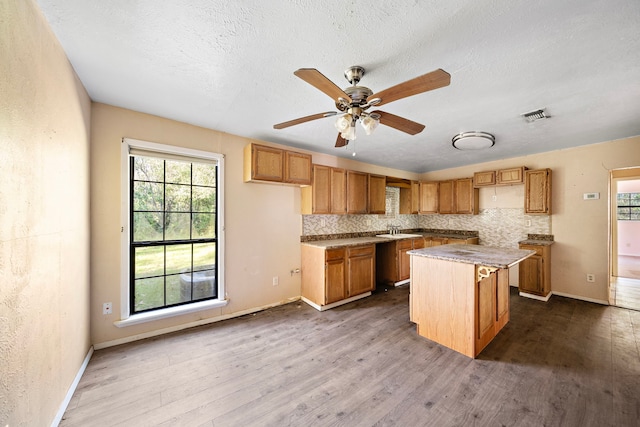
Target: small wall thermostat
591,196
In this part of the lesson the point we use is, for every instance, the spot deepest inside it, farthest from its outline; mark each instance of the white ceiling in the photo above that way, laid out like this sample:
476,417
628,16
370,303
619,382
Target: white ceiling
228,65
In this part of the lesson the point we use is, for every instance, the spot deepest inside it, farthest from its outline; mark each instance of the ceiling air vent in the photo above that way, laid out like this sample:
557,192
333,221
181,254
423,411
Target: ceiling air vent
532,116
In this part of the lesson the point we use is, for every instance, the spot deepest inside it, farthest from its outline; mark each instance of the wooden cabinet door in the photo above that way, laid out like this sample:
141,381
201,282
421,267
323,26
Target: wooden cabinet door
338,178
335,273
361,270
482,179
415,197
485,311
446,197
297,168
357,191
377,194
537,192
466,195
510,176
428,197
531,275
321,189
404,267
502,299
267,163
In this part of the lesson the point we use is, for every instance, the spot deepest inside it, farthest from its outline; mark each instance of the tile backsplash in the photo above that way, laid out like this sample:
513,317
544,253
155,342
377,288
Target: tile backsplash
502,227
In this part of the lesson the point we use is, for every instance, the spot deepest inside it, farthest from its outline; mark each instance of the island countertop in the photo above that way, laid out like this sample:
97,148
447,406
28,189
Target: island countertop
474,254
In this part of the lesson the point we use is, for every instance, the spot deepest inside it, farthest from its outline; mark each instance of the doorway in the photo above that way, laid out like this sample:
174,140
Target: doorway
625,238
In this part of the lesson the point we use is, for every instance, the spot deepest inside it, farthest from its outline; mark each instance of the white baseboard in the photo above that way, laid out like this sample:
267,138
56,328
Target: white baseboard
597,301
335,304
150,334
72,389
564,294
536,297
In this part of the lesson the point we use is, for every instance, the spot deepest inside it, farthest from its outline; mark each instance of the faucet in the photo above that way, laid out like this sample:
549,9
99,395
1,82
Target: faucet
393,229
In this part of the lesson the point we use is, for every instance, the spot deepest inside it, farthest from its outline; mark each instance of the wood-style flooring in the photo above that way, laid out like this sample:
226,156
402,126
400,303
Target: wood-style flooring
625,289
560,363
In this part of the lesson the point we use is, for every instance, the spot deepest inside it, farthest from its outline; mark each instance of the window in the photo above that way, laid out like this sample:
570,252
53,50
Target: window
628,207
173,239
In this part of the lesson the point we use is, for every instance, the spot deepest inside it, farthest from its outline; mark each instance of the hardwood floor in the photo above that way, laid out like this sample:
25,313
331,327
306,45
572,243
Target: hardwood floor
629,267
560,363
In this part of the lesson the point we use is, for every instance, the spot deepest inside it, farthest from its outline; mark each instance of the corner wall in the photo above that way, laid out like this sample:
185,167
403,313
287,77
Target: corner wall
262,225
580,227
44,219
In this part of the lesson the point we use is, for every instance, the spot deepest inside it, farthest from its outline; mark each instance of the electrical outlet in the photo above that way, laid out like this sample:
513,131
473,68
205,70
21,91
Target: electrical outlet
323,223
368,222
591,277
527,223
494,198
107,308
276,280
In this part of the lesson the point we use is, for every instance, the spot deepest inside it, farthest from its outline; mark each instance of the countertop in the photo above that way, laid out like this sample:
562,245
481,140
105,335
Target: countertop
536,242
342,243
355,241
474,254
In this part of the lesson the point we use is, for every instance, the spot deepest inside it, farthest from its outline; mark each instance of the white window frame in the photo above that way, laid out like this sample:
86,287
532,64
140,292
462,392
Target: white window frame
126,318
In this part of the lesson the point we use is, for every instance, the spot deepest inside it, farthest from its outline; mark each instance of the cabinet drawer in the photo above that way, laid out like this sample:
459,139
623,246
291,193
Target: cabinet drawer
334,254
539,249
361,251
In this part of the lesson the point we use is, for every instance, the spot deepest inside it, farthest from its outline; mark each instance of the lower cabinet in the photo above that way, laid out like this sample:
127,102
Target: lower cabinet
393,264
492,306
431,241
535,271
332,277
392,261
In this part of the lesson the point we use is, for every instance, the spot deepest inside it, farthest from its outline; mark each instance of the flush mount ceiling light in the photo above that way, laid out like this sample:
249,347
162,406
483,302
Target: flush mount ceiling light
475,140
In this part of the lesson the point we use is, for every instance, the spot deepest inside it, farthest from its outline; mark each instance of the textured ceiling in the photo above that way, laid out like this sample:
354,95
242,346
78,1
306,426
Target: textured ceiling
228,65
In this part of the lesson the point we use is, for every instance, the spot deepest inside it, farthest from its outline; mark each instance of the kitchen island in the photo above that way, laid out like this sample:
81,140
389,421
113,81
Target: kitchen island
459,294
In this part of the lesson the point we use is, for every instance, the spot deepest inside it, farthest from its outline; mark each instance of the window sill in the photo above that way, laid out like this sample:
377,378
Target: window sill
169,312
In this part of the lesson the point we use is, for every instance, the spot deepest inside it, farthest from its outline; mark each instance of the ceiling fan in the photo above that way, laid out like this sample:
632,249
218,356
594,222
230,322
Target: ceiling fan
355,100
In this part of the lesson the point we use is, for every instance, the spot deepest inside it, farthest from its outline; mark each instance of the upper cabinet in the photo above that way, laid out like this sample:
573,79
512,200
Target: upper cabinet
357,192
270,164
510,176
466,197
446,197
458,196
327,193
482,179
297,168
428,197
410,198
537,192
377,194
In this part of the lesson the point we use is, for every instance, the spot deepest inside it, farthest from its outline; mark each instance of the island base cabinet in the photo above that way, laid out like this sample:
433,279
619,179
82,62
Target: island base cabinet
332,277
461,306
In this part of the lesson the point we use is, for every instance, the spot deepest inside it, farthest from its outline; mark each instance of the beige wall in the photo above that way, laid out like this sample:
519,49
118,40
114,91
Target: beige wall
44,219
263,222
579,226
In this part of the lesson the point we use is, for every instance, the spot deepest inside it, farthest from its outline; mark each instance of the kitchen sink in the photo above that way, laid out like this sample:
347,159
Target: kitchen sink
398,236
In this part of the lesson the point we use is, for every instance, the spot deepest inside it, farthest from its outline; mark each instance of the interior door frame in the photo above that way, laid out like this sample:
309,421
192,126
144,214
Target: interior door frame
616,175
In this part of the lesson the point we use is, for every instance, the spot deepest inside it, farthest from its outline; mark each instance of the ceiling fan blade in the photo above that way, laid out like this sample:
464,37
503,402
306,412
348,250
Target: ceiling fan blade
319,81
341,142
304,119
397,122
433,80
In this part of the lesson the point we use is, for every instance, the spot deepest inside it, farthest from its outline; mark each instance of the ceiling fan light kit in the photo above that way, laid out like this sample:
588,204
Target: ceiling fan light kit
475,140
355,100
